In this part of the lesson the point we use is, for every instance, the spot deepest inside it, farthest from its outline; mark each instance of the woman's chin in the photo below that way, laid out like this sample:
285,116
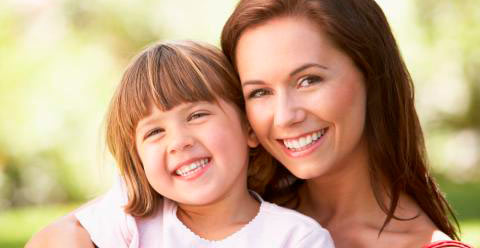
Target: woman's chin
307,172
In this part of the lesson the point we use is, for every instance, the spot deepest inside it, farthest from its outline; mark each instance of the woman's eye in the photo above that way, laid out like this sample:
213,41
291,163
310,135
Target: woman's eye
308,81
197,115
153,132
258,93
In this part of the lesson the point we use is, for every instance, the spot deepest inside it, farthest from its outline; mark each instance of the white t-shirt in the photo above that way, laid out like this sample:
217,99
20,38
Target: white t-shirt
273,226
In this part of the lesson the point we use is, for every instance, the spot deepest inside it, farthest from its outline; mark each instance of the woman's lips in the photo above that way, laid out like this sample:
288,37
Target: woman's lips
303,145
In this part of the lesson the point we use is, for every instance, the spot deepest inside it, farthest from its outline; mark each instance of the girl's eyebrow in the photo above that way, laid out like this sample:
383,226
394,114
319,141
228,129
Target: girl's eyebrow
155,117
295,71
147,122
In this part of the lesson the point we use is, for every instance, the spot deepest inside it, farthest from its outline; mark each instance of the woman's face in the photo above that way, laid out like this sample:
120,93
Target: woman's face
305,99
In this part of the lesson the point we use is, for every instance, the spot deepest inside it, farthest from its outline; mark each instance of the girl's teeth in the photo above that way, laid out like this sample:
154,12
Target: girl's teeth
296,143
191,168
302,142
309,139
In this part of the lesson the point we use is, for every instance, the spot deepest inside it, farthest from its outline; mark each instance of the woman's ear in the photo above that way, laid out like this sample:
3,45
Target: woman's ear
252,140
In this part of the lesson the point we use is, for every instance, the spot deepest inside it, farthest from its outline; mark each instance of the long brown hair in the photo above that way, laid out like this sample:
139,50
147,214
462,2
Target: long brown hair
395,140
168,74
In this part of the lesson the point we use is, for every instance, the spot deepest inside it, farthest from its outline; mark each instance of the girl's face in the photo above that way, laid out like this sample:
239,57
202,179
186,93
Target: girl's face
194,153
305,99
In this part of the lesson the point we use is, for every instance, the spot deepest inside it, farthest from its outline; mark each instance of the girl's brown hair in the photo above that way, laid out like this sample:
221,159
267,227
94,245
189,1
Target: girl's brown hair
395,141
166,75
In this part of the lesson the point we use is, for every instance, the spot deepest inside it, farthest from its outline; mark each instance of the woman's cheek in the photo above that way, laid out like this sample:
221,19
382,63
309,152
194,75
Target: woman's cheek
341,101
258,116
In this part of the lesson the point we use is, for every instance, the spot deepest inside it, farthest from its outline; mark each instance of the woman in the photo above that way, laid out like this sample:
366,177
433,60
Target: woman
330,97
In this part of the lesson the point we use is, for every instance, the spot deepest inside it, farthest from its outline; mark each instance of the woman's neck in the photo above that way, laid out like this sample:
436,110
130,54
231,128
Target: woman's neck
343,194
221,218
344,202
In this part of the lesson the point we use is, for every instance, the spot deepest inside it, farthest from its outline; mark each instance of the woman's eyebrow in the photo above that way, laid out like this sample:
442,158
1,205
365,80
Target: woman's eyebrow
297,70
306,66
253,82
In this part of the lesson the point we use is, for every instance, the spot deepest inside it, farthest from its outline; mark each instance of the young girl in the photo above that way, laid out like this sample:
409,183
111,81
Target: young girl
177,130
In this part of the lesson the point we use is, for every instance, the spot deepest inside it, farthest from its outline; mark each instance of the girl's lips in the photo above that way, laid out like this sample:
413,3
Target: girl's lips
306,150
195,173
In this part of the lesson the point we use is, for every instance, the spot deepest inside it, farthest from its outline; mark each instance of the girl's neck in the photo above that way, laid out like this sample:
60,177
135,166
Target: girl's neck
221,218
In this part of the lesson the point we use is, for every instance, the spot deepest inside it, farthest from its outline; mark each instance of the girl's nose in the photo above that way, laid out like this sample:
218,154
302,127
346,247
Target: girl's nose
287,111
181,142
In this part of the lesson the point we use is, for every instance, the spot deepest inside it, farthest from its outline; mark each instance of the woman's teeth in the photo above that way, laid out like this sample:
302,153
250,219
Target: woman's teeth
303,142
191,168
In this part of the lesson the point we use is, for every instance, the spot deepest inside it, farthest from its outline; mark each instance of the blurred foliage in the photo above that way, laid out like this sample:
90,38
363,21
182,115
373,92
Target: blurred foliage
451,34
462,196
61,59
22,222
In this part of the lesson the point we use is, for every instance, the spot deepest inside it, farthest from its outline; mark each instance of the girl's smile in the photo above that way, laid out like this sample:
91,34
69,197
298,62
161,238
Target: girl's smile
195,152
193,167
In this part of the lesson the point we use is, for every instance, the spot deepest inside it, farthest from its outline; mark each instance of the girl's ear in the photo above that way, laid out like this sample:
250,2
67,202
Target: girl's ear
252,140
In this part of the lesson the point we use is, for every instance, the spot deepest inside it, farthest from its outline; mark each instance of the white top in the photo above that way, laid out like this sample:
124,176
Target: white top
273,226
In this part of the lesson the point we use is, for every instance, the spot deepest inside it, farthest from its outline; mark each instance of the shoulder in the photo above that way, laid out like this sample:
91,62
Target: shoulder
420,231
441,240
317,238
300,229
423,233
419,235
448,244
65,232
281,214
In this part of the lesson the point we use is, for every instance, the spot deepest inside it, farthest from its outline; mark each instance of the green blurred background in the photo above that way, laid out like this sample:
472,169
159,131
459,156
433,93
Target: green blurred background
61,59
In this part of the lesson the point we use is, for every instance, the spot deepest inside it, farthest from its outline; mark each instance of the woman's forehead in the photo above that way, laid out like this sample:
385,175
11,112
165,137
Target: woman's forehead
282,46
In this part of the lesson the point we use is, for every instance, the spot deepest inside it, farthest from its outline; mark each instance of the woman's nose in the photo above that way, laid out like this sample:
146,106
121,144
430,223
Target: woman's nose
287,110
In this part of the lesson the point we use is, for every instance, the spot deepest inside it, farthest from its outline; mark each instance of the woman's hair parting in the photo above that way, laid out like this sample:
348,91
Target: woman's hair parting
165,75
396,147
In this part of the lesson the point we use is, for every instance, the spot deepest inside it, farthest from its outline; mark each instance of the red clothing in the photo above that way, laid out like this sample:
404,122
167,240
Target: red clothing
448,244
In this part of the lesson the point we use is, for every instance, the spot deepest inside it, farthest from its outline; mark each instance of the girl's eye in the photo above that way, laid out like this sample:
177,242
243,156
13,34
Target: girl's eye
196,115
153,132
258,93
308,81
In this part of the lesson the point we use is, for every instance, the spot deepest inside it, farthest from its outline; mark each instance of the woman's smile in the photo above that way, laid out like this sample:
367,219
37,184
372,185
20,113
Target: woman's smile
303,144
